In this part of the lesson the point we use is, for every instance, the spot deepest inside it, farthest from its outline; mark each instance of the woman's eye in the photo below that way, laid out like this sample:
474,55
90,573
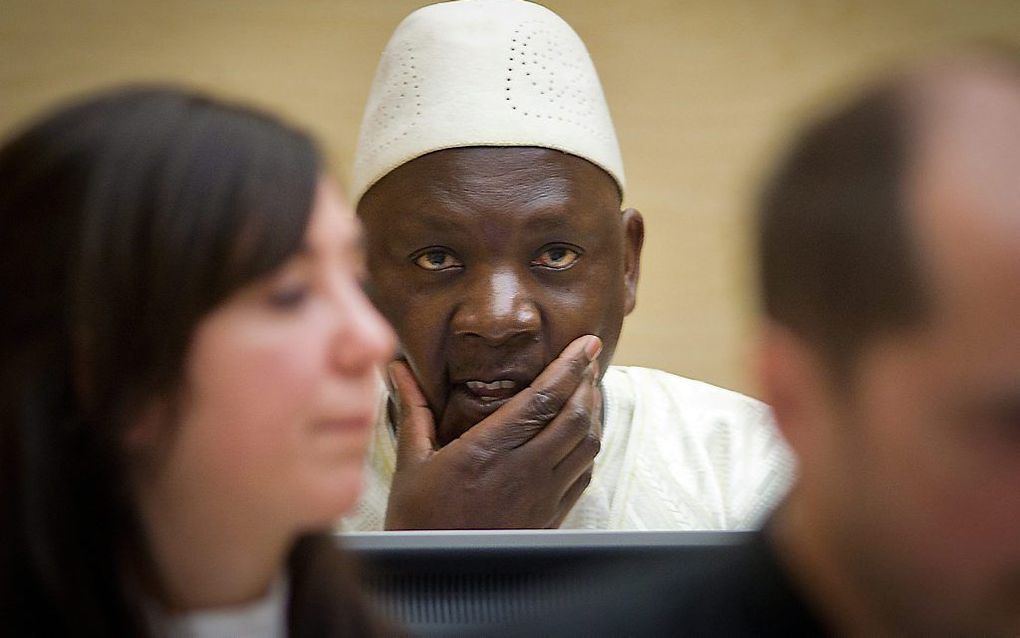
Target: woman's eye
288,297
436,260
557,258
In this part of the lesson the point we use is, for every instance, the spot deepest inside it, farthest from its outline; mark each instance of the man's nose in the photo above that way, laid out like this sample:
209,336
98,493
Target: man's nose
497,307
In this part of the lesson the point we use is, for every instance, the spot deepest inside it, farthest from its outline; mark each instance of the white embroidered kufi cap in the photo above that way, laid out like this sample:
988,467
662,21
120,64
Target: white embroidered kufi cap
483,73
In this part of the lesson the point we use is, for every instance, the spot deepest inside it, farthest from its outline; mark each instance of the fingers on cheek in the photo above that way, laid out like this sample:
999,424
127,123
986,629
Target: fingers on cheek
585,479
592,401
594,446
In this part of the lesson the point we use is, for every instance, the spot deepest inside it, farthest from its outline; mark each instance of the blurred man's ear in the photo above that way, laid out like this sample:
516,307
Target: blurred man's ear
793,380
634,239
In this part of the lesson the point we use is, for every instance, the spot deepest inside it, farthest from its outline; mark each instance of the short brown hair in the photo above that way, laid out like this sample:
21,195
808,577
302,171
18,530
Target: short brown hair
836,261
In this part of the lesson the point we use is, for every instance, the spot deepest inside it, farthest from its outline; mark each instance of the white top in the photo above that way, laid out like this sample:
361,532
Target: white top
677,454
263,618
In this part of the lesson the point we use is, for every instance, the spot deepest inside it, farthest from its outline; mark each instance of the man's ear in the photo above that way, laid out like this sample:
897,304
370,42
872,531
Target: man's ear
633,240
793,382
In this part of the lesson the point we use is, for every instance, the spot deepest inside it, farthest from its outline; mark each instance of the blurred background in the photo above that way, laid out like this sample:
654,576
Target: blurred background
703,93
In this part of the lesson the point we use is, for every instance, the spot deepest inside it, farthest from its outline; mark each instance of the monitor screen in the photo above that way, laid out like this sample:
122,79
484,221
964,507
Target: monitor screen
451,582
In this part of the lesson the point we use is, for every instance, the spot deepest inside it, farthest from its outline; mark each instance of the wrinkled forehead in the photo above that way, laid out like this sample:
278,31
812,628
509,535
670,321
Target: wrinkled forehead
485,178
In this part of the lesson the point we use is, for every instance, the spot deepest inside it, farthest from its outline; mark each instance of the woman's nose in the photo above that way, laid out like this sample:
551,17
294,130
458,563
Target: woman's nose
364,338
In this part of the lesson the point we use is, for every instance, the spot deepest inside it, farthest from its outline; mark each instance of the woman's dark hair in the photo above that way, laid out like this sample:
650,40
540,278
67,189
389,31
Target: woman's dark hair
124,220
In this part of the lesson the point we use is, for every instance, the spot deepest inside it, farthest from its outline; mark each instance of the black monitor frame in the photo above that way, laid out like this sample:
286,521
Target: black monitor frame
453,582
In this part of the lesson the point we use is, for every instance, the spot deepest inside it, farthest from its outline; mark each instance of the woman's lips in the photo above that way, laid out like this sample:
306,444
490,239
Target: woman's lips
345,424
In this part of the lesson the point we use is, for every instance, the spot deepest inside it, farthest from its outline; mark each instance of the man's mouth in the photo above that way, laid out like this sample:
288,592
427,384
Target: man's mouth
473,395
491,391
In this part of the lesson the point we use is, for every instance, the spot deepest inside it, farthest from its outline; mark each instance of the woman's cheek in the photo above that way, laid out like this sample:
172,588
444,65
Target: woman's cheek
253,389
281,368
259,369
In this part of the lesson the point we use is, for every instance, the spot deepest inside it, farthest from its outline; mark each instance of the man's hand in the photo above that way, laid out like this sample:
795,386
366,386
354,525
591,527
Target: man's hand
523,466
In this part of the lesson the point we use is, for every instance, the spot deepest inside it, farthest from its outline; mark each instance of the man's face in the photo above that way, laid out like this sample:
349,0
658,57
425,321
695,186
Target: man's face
489,261
922,459
931,471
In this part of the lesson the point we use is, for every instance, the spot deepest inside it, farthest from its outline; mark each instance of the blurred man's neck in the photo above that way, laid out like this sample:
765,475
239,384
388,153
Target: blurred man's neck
807,552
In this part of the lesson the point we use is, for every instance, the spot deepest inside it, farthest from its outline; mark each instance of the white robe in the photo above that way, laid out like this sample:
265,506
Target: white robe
677,454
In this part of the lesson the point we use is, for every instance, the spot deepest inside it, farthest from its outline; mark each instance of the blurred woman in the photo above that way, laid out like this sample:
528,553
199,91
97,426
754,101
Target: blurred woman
187,374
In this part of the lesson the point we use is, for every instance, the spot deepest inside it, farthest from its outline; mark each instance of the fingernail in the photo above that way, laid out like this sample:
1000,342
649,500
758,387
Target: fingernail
595,368
593,348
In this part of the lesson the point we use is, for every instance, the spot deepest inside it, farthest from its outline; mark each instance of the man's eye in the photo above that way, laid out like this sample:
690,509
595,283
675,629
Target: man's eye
557,258
436,260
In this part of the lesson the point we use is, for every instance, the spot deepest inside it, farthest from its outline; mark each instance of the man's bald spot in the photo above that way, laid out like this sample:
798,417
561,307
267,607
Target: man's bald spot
963,186
851,190
966,119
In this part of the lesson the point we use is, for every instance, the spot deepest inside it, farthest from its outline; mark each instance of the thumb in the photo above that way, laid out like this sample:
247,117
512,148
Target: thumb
416,430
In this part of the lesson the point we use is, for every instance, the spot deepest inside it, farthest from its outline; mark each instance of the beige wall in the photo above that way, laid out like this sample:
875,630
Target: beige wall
701,92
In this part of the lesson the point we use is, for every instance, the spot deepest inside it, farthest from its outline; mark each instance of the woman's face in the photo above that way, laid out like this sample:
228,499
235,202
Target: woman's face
281,387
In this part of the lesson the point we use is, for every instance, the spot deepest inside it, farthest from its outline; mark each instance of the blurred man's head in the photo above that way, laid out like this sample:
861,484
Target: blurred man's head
890,260
489,180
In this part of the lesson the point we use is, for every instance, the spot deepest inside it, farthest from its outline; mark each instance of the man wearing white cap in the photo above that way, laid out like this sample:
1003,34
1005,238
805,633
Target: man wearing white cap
489,180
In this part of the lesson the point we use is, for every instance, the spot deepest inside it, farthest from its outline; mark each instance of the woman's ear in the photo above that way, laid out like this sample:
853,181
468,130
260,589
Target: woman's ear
634,239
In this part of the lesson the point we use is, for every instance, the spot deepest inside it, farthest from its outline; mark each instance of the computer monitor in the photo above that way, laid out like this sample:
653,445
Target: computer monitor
457,582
